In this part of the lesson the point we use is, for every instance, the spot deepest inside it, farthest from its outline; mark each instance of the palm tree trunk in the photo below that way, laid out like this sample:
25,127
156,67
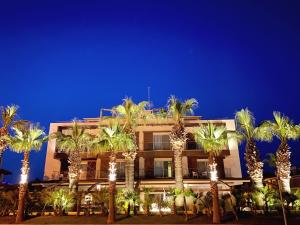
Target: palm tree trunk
74,170
174,206
23,188
177,140
129,170
1,162
126,173
3,146
178,168
131,173
254,164
215,196
112,192
128,209
283,165
78,201
129,160
111,208
74,173
215,201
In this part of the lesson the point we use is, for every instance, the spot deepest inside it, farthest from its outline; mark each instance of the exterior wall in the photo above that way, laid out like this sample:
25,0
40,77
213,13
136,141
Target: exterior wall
228,162
232,162
52,165
149,166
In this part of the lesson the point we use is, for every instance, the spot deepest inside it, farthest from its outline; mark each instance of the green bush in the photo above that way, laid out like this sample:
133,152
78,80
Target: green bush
61,200
8,202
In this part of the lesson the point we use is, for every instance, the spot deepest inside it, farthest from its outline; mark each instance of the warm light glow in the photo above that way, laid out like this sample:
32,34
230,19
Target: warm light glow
112,177
88,198
112,171
154,208
98,187
23,178
213,171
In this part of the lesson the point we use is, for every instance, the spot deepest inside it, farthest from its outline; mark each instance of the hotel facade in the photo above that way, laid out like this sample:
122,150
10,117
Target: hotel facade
154,163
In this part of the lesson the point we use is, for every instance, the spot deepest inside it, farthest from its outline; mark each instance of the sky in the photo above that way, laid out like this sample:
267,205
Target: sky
65,59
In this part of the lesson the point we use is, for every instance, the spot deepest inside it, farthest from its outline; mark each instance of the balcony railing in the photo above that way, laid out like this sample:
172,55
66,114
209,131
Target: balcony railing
195,173
192,145
104,174
157,145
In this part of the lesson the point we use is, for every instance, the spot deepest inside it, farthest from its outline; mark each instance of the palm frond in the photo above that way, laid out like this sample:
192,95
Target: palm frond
112,139
25,140
8,114
212,138
263,132
77,139
177,109
130,112
282,127
245,122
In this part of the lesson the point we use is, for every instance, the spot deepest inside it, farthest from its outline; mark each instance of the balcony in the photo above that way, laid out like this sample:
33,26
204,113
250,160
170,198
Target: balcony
192,145
157,146
195,173
104,175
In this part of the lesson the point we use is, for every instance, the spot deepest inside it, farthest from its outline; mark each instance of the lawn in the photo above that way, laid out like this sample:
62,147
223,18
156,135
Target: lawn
259,219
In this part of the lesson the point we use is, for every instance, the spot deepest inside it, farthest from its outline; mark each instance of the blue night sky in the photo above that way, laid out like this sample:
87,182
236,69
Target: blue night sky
66,59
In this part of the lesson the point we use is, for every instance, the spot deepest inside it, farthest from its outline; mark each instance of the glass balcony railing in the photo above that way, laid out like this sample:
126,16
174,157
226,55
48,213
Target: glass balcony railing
190,145
196,173
157,146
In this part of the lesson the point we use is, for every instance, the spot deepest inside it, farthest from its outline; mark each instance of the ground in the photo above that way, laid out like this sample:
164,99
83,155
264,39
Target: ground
274,220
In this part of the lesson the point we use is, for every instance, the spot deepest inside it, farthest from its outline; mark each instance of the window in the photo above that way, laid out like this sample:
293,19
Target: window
163,167
202,167
83,170
120,169
161,141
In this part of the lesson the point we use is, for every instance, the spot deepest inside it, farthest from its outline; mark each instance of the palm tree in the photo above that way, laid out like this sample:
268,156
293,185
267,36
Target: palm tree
246,128
283,129
130,113
24,140
73,144
177,110
8,115
112,140
213,140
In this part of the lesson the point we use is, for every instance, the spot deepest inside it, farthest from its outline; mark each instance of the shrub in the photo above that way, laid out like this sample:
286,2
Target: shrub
61,200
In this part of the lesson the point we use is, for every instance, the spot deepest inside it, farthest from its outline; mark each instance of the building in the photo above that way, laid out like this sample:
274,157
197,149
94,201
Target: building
154,166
